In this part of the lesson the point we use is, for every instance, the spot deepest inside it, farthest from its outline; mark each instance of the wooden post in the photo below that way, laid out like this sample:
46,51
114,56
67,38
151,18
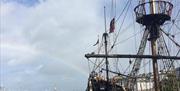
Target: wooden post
155,65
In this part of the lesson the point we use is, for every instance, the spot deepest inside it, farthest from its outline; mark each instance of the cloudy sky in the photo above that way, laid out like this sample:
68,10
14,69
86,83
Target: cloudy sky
43,43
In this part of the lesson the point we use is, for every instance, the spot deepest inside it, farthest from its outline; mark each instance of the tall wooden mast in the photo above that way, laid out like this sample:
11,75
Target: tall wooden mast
153,47
105,35
153,19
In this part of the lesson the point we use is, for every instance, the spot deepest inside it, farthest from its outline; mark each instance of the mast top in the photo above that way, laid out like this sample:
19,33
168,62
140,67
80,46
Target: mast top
153,12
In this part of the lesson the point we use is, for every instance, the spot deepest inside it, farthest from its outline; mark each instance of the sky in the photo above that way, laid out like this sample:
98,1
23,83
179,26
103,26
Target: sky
43,43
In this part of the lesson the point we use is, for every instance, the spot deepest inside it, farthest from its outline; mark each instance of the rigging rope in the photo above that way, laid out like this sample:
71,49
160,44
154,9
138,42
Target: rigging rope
123,10
135,39
171,38
129,37
173,21
121,24
127,6
178,52
177,27
99,50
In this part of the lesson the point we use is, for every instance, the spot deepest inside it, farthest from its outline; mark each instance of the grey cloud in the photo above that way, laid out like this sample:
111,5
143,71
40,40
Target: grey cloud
60,30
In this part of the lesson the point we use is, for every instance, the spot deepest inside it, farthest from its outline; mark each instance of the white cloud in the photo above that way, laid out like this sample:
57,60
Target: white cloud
48,41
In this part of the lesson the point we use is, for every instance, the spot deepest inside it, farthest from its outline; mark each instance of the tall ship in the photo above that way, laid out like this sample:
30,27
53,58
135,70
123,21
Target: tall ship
142,56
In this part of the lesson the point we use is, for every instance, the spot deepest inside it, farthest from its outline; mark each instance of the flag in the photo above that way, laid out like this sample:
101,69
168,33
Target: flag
112,25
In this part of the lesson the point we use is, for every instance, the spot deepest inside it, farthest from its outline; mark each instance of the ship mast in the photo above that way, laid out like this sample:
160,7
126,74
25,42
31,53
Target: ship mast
105,35
153,38
153,20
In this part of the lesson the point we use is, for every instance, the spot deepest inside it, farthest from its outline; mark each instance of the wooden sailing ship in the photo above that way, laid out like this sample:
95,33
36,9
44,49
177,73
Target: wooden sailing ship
152,15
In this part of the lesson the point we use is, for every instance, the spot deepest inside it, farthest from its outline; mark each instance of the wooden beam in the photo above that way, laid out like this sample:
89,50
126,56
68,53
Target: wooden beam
130,56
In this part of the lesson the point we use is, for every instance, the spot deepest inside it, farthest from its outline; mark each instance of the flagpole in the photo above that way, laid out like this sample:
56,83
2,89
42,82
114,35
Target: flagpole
105,19
105,35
